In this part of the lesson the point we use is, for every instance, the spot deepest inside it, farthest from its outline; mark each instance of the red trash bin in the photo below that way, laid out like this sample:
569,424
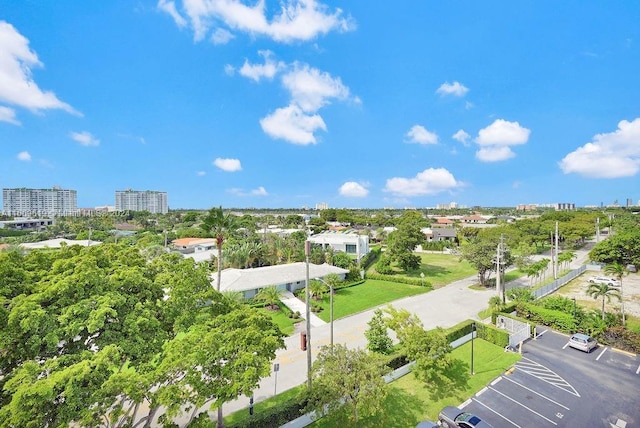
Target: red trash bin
303,340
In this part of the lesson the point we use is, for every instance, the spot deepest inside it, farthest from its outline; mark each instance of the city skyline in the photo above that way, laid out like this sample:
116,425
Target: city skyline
269,105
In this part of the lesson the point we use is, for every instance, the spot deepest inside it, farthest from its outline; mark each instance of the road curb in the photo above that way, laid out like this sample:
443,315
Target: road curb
622,351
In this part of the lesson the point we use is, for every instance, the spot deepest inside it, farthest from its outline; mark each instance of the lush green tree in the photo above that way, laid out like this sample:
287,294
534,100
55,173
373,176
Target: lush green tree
347,384
318,224
623,248
520,294
343,260
378,339
317,289
90,340
603,291
403,241
219,224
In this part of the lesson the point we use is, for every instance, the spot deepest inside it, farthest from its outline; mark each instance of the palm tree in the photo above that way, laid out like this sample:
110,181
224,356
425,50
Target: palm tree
618,270
317,289
219,224
602,290
269,295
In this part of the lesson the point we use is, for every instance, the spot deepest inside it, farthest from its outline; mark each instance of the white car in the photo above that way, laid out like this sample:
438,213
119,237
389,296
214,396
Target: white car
583,342
604,280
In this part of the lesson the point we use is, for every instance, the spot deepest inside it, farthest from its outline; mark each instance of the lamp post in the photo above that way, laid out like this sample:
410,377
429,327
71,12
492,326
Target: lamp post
330,308
473,333
307,251
422,278
574,308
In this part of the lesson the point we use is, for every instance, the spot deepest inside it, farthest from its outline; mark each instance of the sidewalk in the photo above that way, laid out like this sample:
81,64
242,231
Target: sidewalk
297,305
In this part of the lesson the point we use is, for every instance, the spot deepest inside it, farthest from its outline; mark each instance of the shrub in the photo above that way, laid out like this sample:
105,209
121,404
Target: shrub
621,338
399,279
551,318
459,330
274,416
492,334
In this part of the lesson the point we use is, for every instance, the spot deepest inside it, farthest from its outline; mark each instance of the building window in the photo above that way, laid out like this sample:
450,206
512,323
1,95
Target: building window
350,248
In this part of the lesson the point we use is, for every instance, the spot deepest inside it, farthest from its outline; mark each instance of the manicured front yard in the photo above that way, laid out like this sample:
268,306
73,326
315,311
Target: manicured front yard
442,269
369,294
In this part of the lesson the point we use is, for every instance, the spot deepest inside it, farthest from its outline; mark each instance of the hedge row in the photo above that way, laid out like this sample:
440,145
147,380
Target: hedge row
274,416
399,279
555,319
487,332
370,258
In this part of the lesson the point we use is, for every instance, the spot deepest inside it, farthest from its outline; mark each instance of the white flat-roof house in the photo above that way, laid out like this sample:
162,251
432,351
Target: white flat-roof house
347,241
288,277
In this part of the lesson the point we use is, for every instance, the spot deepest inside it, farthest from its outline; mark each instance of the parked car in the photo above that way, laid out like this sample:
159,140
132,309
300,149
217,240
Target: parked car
583,342
453,417
604,280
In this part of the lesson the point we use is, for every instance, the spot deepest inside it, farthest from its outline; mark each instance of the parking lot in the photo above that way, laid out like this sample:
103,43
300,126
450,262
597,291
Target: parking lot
555,385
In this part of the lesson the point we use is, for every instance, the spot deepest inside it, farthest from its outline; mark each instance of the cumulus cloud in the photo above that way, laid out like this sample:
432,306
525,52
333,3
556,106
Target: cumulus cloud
228,165
456,89
431,181
8,115
420,135
260,191
311,88
462,137
24,156
292,124
84,138
295,20
495,140
610,155
353,189
17,86
258,71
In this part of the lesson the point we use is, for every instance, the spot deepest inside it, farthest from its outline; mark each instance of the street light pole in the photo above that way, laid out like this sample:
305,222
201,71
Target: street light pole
422,278
473,332
307,251
330,308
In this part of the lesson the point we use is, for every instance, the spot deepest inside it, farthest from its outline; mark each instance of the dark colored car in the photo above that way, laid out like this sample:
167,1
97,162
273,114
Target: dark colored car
452,417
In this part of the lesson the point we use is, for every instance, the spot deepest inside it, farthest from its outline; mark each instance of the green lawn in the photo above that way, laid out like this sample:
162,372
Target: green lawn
442,269
411,401
371,293
281,319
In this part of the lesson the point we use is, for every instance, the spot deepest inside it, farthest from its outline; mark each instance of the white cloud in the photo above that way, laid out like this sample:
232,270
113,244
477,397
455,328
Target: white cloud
260,191
258,71
296,20
609,155
201,173
8,115
353,190
228,165
494,154
462,137
24,156
456,89
311,88
17,86
221,36
431,181
292,124
420,135
495,140
84,138
169,7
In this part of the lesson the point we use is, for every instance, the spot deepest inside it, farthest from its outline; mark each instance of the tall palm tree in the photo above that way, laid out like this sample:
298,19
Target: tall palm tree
219,224
604,291
618,270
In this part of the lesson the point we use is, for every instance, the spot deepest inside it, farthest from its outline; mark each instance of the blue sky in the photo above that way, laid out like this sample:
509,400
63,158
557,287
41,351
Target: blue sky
357,104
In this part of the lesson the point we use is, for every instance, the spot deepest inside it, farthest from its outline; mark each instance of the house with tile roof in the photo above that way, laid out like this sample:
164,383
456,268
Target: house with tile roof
289,277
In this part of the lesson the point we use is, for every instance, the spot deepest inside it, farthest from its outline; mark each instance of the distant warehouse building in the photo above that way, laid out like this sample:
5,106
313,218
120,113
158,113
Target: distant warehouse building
145,200
32,203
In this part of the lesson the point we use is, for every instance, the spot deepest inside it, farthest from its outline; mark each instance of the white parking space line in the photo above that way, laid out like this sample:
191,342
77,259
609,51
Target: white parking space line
638,371
519,403
496,381
537,393
544,374
565,346
603,351
543,332
501,415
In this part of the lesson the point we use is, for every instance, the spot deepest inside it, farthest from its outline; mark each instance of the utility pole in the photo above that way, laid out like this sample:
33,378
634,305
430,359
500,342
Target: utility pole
597,230
555,263
500,286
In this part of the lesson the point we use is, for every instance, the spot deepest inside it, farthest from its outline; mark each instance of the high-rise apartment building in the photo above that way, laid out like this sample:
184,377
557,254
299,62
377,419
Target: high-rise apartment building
23,202
142,200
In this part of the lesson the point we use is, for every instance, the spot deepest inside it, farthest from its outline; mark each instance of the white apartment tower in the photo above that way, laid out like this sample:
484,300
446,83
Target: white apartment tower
23,202
142,200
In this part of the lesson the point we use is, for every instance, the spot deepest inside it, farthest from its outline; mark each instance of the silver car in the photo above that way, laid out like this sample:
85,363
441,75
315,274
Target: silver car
583,342
453,417
604,280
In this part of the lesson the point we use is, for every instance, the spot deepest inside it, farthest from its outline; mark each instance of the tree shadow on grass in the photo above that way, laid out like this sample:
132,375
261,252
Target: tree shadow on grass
454,379
400,409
